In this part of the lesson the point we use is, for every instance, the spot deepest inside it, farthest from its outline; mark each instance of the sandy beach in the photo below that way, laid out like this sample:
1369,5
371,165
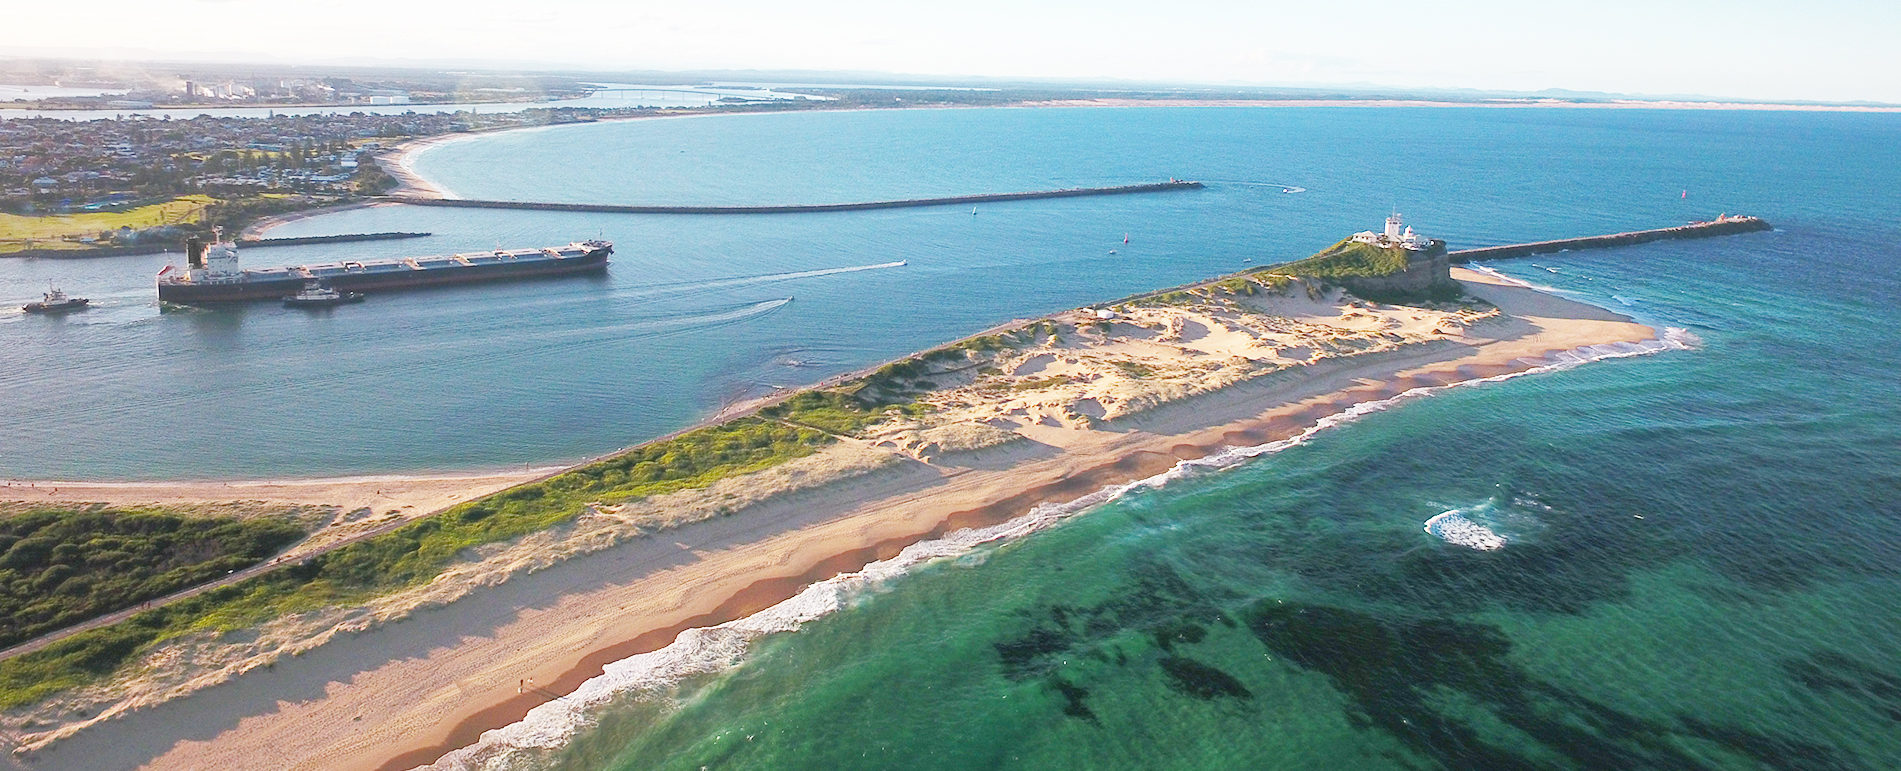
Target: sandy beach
401,695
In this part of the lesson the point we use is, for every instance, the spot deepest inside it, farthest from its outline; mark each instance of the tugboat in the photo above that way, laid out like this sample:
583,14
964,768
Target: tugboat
317,295
56,301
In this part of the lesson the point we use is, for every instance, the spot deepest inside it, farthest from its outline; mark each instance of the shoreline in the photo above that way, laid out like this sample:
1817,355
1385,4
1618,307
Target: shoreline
374,707
1275,425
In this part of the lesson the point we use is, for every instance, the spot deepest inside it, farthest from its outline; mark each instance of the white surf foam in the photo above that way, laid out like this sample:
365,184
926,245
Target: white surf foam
1511,281
709,650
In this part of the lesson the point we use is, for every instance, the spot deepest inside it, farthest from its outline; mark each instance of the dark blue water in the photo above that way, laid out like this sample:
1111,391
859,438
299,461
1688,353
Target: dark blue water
690,317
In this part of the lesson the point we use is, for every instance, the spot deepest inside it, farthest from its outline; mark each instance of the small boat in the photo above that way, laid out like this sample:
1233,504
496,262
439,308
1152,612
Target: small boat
56,301
973,211
1112,251
1125,238
316,294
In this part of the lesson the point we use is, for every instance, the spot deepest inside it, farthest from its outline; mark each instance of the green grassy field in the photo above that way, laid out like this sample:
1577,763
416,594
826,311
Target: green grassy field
19,232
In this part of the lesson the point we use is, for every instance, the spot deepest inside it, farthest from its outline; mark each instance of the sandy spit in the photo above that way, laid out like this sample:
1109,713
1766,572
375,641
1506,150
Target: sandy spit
403,694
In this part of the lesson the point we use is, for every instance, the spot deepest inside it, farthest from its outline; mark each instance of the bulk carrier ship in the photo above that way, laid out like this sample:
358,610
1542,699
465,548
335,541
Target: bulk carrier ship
211,273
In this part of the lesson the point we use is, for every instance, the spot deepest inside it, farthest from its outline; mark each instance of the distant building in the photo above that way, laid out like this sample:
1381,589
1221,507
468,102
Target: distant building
1397,233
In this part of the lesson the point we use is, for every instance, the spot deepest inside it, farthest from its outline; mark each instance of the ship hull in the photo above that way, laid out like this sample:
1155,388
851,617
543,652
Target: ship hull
255,286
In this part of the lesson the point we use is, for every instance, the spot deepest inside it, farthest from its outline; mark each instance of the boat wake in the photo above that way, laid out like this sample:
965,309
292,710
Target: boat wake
763,278
1454,528
1283,188
536,739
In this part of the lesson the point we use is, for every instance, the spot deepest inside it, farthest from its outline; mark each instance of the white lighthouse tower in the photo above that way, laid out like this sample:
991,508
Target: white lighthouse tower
1393,227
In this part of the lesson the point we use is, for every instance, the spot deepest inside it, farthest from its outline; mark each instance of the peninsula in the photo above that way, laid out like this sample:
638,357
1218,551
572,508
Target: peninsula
547,581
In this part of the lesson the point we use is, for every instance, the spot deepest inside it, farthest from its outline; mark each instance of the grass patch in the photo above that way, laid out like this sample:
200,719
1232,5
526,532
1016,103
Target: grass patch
63,565
1039,383
838,412
1348,259
415,553
52,231
1135,369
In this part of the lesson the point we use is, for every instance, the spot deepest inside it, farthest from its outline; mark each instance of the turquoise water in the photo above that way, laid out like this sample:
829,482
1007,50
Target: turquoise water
1701,546
1699,572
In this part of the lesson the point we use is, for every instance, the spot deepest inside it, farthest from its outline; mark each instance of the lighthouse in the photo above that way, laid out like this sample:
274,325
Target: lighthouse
1396,234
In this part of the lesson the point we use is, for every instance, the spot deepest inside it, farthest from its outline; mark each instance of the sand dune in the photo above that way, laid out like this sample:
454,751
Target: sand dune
1084,404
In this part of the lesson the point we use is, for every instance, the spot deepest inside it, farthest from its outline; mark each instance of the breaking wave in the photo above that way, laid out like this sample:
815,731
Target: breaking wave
536,738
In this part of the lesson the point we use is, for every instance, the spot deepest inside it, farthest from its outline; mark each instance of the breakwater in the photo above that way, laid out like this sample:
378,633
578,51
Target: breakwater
333,239
246,243
1721,226
1074,192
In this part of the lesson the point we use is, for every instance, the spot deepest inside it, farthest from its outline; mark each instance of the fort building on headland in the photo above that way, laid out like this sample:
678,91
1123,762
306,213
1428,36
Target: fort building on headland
1397,233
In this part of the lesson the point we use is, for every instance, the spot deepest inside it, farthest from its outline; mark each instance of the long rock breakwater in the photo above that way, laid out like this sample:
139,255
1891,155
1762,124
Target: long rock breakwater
1721,226
1074,192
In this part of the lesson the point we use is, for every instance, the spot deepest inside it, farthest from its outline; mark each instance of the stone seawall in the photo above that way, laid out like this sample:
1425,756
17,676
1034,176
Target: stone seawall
1721,226
1077,192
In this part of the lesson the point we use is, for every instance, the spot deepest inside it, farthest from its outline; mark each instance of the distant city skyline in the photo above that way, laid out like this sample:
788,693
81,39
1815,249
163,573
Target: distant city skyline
1746,49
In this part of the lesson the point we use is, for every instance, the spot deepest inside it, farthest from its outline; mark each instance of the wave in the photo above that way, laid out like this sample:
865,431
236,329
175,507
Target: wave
709,650
1512,281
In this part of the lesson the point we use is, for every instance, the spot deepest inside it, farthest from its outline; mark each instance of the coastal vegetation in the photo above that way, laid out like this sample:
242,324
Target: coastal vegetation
961,396
1388,274
1347,259
412,554
63,564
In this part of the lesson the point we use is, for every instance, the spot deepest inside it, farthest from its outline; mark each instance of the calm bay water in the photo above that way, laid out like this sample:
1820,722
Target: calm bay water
1701,546
691,314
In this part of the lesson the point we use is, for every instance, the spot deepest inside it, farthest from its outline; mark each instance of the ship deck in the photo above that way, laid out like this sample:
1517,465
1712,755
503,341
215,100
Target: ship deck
401,265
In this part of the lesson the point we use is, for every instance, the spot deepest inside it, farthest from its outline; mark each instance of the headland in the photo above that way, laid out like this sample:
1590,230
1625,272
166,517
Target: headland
968,434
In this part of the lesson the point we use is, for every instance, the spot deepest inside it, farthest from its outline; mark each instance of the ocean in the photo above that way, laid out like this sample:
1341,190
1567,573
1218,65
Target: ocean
1692,555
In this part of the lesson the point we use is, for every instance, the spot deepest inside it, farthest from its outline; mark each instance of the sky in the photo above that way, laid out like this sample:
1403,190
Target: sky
1827,50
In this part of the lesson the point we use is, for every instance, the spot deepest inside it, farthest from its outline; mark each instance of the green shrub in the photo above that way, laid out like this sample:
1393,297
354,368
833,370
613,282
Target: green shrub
1348,259
63,565
407,556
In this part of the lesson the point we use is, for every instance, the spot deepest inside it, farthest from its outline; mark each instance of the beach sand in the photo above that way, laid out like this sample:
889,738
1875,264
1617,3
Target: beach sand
403,694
